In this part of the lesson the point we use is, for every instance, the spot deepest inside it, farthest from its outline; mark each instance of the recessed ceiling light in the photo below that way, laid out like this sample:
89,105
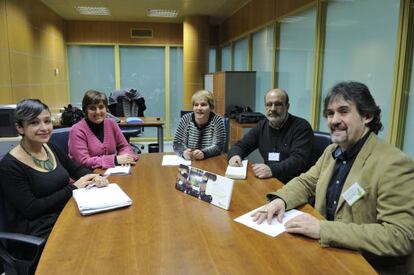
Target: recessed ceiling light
162,13
93,10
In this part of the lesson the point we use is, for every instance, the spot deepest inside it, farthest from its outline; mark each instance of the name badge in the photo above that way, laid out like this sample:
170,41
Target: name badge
354,193
273,156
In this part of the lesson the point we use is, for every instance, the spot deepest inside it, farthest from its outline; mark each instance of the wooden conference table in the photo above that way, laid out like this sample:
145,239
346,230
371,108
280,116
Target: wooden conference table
168,232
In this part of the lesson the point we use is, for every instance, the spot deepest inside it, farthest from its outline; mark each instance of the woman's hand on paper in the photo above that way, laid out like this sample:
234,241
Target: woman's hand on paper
91,179
125,159
101,181
275,207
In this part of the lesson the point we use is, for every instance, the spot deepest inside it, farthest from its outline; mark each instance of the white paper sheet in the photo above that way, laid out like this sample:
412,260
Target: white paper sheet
174,160
273,229
118,170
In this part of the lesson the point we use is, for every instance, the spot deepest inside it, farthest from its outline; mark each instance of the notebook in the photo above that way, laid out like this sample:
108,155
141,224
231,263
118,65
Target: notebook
118,170
96,199
237,173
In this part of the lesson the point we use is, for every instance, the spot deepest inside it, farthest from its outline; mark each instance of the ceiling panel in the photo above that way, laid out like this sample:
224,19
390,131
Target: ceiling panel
135,10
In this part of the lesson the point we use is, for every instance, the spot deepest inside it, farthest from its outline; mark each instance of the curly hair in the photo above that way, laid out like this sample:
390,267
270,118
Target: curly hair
359,94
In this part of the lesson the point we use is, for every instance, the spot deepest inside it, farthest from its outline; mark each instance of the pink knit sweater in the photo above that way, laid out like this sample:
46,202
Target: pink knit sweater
86,149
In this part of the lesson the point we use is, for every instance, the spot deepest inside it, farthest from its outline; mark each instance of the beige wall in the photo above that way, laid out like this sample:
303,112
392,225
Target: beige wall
5,81
255,14
32,43
119,32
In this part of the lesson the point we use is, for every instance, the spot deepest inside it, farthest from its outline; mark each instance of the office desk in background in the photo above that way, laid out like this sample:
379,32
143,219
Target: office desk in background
146,122
237,130
168,232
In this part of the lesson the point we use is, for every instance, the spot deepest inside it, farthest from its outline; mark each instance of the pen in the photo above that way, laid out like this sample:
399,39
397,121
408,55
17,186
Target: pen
89,186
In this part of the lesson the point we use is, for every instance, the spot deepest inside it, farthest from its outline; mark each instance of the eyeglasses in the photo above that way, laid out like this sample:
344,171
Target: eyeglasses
276,104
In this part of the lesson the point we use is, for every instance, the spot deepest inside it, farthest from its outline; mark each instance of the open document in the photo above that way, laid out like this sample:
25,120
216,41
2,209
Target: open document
273,229
237,173
96,199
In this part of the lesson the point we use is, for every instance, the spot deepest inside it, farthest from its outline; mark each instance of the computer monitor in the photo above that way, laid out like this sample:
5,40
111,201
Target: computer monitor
7,123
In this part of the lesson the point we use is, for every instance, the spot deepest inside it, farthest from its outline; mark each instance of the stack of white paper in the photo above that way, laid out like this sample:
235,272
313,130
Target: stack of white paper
118,170
237,173
174,160
96,200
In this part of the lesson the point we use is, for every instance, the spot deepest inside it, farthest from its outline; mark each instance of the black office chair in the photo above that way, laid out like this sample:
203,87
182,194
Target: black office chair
128,103
183,112
10,264
321,140
227,139
60,138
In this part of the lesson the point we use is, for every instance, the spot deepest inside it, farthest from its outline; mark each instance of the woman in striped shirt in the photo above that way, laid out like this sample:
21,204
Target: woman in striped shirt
200,134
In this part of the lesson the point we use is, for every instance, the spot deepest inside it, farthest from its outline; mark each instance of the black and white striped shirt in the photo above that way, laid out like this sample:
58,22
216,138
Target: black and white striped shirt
209,138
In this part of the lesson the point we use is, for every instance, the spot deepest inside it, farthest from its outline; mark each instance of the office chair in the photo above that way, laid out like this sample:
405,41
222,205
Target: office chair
60,138
9,264
183,112
227,129
128,103
321,140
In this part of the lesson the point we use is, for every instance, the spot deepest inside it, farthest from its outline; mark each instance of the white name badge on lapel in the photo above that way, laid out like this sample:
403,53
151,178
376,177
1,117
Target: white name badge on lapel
354,193
273,156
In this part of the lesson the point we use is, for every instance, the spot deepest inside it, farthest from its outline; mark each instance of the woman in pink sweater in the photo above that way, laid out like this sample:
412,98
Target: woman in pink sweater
97,141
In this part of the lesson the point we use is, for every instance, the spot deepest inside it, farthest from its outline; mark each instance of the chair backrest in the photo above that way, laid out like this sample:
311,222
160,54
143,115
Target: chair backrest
60,138
126,107
321,140
227,139
2,223
2,212
183,112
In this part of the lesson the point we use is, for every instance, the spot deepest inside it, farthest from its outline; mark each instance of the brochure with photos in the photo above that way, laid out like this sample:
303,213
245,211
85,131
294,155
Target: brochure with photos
204,185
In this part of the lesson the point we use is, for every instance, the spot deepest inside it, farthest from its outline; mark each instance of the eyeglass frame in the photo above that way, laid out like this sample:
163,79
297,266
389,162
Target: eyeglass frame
277,104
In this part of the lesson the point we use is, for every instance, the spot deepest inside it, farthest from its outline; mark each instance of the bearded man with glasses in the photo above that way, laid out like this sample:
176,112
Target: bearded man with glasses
284,141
